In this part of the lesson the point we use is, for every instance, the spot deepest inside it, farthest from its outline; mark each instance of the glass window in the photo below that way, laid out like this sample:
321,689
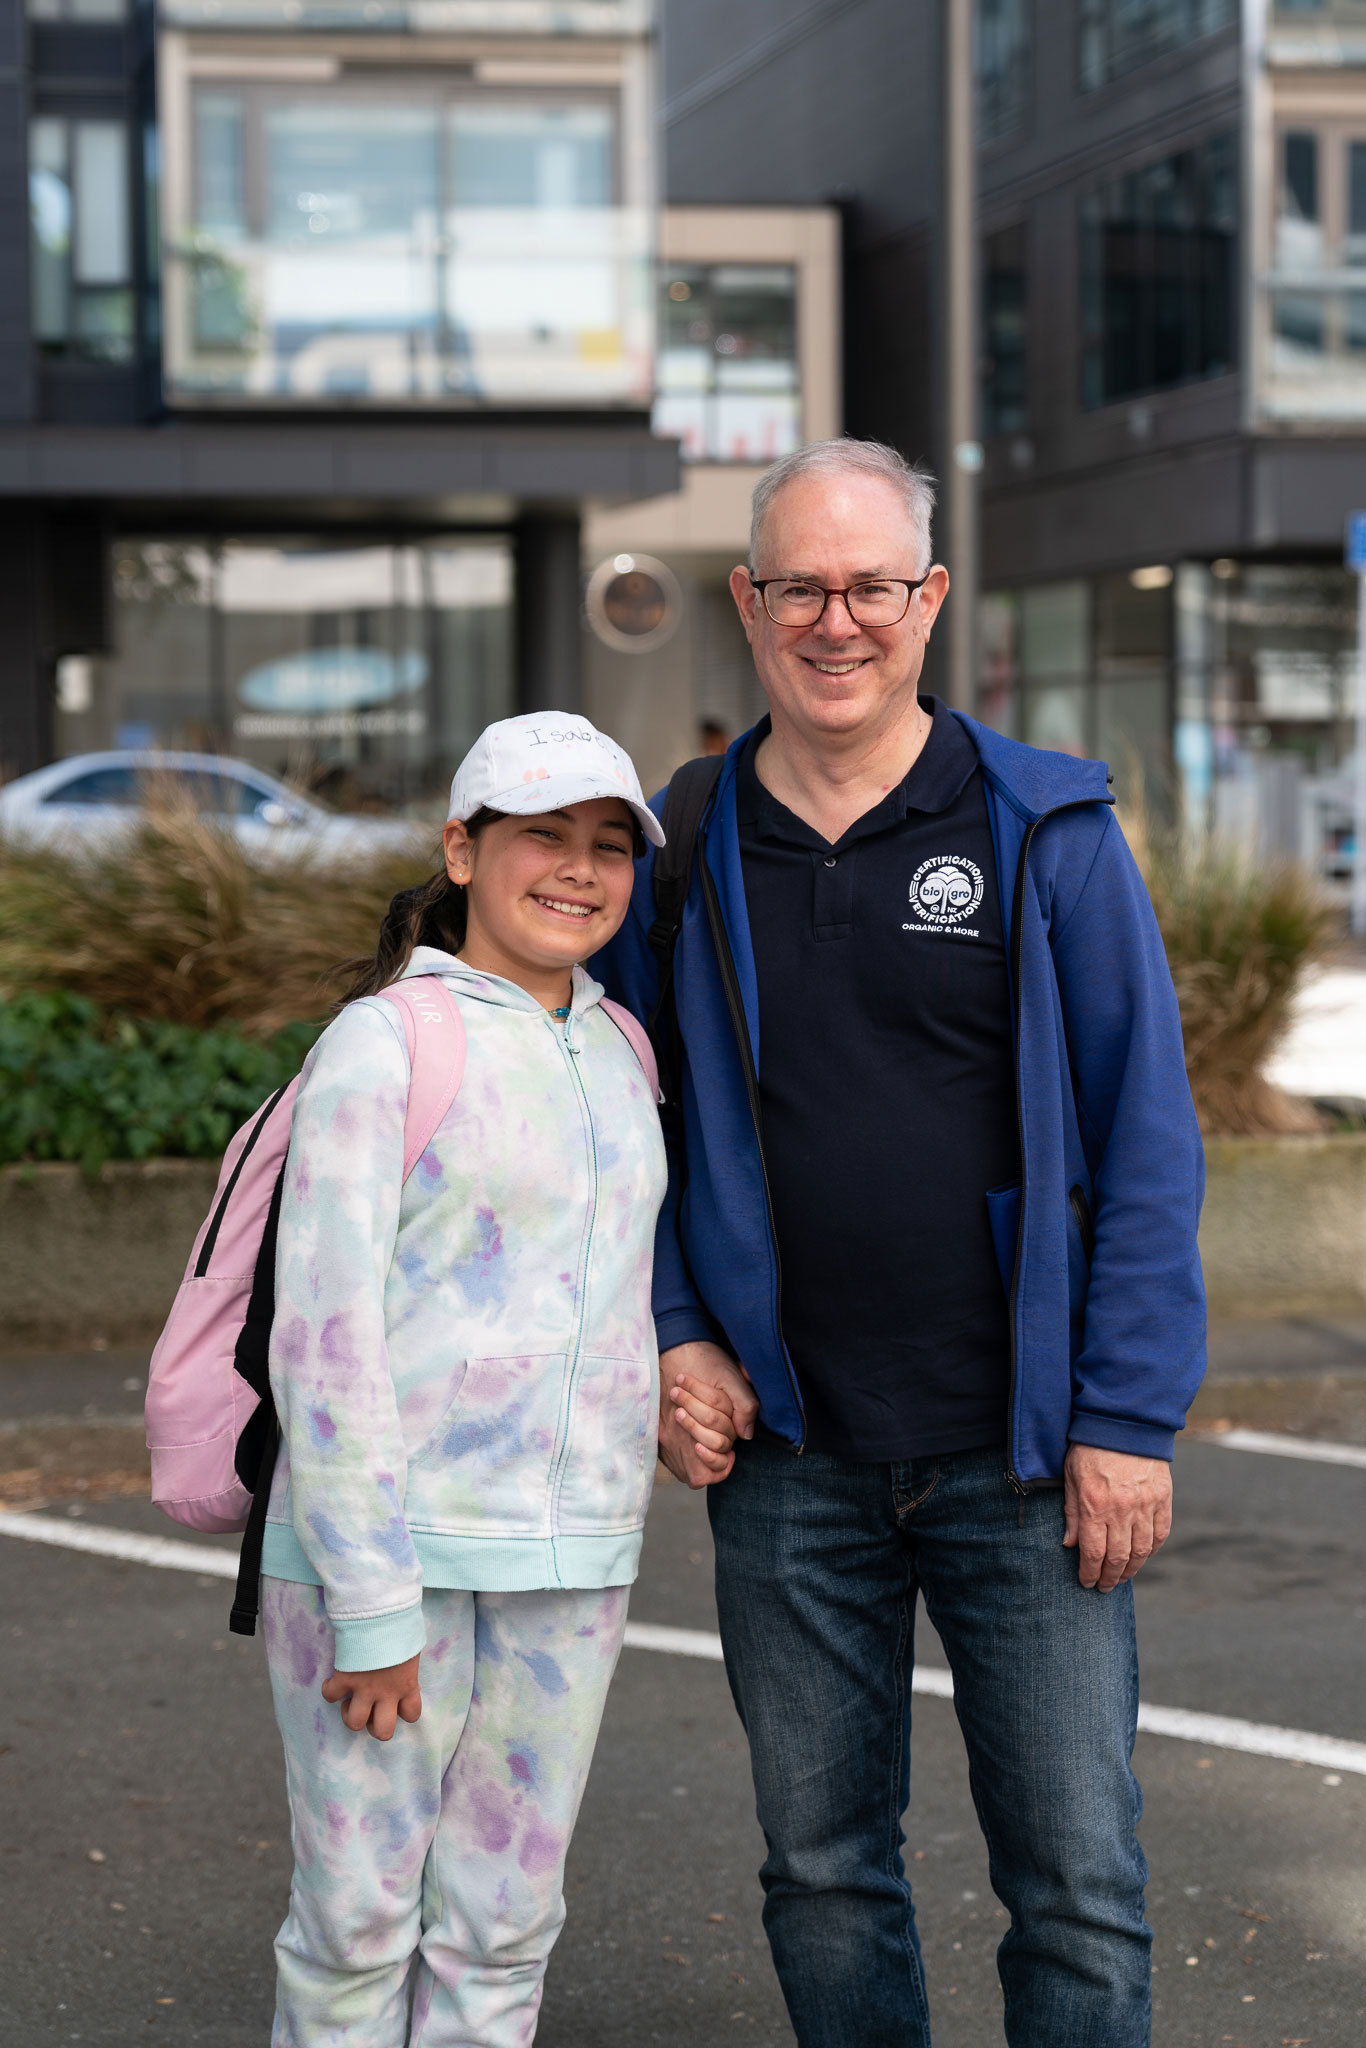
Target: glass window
406,242
728,384
81,239
100,786
1158,286
1003,32
364,673
1005,407
77,10
1118,35
220,163
532,155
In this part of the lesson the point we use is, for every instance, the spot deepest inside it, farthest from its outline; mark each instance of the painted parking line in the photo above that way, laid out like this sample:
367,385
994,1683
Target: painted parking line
1276,1444
1211,1731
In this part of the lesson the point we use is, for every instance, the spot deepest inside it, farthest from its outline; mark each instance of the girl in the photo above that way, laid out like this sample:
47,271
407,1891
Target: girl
464,1368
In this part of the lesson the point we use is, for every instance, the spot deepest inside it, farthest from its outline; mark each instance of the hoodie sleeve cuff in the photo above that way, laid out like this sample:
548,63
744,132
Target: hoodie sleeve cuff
376,1641
687,1326
1111,1433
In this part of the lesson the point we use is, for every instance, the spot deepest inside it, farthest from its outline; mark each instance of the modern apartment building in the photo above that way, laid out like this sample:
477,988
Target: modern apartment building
323,326
1173,213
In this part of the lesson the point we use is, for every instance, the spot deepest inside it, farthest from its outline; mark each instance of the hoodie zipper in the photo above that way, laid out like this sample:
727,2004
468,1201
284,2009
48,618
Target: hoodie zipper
570,1054
730,982
1016,1484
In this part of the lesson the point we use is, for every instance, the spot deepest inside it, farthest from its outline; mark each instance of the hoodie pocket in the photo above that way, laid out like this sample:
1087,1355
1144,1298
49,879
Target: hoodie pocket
607,1470
487,1463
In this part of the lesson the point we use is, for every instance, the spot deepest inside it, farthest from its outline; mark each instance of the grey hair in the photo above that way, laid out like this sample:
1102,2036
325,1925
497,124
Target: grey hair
913,483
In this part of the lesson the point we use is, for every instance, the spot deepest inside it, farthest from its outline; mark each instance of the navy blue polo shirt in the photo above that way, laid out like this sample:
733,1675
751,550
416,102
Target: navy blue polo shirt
887,1087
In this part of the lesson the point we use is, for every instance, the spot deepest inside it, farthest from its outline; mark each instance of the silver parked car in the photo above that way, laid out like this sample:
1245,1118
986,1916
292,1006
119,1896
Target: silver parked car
89,799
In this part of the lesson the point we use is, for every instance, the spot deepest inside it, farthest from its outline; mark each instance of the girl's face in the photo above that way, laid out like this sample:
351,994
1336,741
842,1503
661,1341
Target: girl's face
543,892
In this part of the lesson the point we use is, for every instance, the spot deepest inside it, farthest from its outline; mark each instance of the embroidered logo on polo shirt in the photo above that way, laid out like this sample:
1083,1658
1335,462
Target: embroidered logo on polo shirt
944,892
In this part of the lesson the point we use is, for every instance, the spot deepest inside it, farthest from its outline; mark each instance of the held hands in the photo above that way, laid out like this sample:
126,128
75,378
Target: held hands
706,1402
377,1700
1118,1512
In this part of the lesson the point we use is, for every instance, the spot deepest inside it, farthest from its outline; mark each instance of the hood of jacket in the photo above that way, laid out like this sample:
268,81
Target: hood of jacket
476,986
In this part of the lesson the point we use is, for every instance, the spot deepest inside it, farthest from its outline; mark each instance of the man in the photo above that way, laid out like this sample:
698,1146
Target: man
935,1184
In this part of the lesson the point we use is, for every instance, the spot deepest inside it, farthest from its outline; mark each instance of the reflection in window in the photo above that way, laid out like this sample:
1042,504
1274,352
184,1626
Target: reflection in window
1002,67
413,242
1157,275
1119,35
532,155
81,239
364,672
728,383
1004,290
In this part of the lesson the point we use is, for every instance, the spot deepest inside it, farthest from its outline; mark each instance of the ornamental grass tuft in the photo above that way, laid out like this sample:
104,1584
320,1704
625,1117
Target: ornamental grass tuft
1240,938
177,923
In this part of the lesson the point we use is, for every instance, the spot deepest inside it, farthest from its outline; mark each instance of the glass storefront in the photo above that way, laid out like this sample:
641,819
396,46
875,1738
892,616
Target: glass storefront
362,672
1083,668
1221,692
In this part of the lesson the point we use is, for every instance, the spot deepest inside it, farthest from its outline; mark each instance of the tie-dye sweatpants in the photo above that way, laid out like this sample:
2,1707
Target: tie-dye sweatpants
428,1877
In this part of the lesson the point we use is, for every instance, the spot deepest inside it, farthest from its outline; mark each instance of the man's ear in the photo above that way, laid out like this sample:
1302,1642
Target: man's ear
931,595
746,598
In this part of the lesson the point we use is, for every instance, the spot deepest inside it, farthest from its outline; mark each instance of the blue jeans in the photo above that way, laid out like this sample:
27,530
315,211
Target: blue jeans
818,1564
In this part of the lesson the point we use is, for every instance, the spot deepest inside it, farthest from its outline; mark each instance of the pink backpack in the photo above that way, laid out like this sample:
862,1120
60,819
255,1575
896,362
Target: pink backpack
211,1426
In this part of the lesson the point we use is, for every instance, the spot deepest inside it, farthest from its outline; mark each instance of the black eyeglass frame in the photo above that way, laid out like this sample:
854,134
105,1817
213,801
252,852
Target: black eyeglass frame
763,583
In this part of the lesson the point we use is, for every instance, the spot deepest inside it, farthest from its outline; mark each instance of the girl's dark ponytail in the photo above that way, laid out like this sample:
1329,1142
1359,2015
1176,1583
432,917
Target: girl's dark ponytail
432,914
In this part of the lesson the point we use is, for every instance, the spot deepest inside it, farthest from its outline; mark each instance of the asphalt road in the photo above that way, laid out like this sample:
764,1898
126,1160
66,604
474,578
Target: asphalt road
143,1836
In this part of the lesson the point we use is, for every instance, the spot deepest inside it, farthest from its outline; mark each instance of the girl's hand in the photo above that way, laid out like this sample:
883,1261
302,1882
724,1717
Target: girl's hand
377,1700
704,1412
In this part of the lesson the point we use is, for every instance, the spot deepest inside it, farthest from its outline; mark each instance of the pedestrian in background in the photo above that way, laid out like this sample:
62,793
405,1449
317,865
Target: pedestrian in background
935,1181
465,1373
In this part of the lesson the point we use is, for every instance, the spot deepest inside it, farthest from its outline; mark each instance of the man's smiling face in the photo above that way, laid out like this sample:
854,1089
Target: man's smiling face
835,677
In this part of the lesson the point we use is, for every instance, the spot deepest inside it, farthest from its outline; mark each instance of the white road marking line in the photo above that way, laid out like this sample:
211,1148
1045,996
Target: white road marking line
1277,1445
1212,1731
125,1543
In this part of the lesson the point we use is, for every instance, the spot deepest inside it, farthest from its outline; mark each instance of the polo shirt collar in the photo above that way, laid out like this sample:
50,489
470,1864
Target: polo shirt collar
935,779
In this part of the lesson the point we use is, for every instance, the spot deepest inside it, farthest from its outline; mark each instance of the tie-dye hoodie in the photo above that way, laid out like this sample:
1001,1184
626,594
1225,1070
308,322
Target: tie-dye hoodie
465,1366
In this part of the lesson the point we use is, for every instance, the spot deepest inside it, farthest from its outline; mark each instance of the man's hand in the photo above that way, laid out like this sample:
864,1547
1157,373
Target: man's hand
694,1438
377,1700
1119,1511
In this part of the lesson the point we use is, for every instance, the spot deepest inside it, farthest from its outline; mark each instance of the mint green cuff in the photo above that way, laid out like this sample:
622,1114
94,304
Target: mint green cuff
378,1640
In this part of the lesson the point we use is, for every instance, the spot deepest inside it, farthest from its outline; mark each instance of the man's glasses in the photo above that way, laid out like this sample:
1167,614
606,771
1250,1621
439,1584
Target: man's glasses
877,601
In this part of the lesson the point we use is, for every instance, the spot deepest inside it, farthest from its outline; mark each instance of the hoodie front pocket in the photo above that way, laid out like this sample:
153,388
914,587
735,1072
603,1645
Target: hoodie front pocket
487,1464
610,1452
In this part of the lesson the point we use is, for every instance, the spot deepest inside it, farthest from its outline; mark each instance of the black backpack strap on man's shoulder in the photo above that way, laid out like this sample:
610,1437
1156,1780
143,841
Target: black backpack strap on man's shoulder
686,799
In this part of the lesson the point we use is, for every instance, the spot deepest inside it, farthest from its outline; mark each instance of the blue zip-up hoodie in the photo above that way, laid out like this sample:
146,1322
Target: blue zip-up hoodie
1098,1246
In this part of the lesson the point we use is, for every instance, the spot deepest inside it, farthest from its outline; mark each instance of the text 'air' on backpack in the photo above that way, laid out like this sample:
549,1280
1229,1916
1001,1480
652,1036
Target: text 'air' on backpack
211,1426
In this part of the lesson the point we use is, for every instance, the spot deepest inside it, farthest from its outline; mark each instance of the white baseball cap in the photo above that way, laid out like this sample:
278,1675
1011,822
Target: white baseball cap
545,761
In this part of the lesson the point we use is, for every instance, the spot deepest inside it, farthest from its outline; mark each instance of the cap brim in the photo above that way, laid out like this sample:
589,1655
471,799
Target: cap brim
558,792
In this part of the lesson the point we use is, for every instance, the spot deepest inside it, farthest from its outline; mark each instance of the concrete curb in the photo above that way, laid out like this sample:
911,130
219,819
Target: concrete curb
1284,1231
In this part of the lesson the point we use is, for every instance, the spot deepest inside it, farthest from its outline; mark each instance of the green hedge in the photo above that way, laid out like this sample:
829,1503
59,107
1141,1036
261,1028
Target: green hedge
78,1084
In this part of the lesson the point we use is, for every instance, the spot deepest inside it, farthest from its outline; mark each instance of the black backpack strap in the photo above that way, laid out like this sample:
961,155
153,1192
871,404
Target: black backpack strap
685,802
259,1443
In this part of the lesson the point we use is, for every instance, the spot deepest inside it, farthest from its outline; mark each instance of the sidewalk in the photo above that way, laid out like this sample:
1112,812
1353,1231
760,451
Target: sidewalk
1325,1052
